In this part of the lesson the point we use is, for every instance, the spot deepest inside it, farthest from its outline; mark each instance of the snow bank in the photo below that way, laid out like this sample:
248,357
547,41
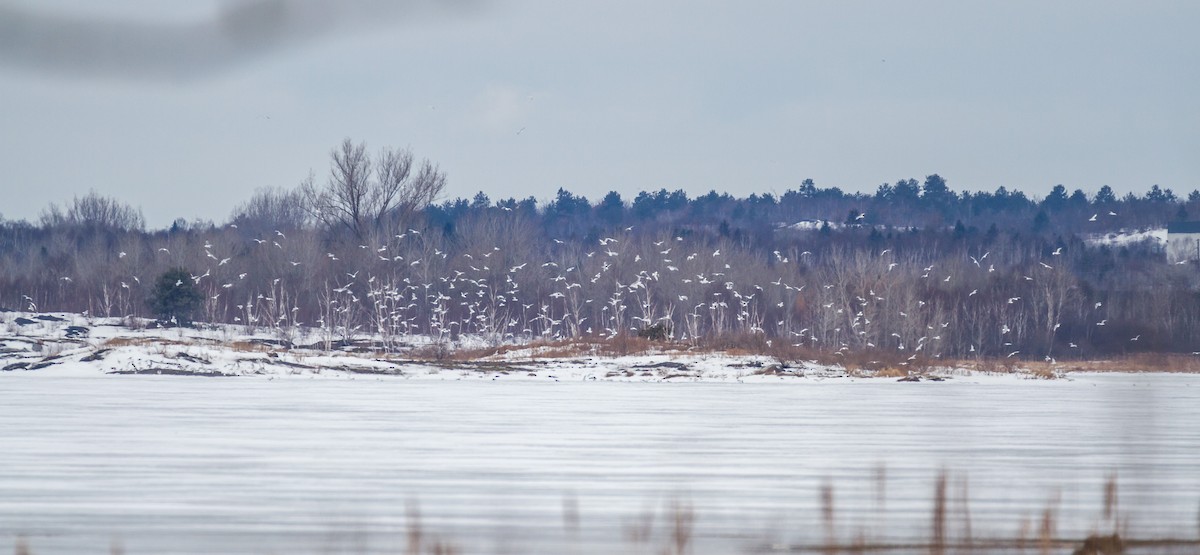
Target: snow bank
60,344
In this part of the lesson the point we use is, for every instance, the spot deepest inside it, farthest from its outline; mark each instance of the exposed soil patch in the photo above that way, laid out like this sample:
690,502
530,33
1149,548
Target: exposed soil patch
76,332
192,359
673,376
370,371
667,364
915,378
98,355
173,372
776,370
620,374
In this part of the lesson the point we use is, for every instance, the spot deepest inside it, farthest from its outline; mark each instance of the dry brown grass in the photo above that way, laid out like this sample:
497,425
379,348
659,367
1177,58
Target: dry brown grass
745,344
563,349
248,347
1140,362
126,342
159,342
533,350
1044,372
883,364
988,365
567,349
890,372
625,344
491,351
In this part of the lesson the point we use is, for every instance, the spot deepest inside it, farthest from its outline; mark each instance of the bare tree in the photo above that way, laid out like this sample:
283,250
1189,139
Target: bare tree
363,195
95,211
270,209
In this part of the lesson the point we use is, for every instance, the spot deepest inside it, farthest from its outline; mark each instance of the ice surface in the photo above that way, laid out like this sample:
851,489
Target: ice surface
166,464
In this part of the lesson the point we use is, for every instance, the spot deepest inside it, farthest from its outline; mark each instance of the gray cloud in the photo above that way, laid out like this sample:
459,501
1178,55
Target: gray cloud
244,30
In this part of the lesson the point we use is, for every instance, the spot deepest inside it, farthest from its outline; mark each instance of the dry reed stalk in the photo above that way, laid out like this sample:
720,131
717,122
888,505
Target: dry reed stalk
640,532
939,516
831,542
1023,533
413,535
881,495
571,515
1046,530
859,545
682,523
1110,498
965,507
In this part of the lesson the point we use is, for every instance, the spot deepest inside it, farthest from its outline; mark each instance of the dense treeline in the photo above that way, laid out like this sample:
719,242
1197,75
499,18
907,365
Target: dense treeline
914,269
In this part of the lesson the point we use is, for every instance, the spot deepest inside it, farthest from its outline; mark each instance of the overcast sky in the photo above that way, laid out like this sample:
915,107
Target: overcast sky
184,108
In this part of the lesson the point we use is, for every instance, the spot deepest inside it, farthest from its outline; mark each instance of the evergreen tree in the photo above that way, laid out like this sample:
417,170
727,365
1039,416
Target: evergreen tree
937,192
175,297
1056,200
612,208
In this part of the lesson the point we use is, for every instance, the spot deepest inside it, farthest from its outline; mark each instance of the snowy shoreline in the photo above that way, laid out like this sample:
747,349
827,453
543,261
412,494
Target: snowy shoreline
62,344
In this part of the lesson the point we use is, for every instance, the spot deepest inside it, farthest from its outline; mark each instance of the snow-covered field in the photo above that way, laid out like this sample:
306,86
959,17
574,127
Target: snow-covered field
525,453
1157,236
57,345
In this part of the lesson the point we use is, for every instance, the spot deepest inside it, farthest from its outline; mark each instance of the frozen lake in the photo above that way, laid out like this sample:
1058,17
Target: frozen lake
193,465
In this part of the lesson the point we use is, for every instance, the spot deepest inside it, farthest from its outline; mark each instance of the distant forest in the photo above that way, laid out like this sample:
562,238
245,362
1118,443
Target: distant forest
915,270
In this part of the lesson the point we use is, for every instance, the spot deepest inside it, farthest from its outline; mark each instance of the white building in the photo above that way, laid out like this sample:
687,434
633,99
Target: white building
1183,241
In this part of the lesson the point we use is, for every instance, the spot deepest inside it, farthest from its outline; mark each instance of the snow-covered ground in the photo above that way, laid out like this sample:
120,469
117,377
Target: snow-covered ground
1122,238
74,345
